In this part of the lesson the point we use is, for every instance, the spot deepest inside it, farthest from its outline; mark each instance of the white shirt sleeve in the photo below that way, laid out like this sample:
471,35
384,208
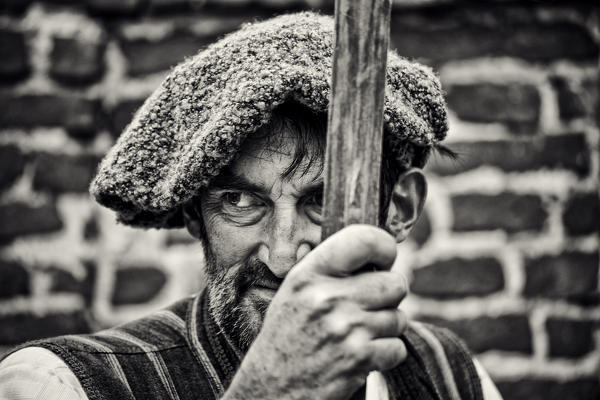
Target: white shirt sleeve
34,373
490,391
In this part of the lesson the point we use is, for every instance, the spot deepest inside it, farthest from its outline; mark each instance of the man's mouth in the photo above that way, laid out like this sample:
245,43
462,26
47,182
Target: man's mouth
265,289
265,284
262,293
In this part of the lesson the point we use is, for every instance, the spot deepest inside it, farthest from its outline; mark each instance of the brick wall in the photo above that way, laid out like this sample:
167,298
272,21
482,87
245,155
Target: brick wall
507,251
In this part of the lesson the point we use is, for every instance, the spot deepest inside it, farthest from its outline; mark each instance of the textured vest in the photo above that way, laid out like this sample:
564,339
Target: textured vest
180,353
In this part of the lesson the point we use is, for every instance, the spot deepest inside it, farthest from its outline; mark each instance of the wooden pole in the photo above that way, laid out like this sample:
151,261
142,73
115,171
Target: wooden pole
355,125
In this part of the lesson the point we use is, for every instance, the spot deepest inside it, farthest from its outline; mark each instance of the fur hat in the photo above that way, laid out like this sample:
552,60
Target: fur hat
195,122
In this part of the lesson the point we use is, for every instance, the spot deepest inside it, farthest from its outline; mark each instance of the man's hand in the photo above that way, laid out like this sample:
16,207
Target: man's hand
330,322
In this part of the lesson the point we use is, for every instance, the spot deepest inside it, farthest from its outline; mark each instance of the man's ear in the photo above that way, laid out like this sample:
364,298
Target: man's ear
407,203
192,219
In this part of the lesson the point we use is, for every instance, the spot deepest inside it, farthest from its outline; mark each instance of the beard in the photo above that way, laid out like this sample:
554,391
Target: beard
236,311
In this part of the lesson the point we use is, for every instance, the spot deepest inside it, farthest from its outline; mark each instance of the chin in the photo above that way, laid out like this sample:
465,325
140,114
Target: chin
239,298
252,311
239,315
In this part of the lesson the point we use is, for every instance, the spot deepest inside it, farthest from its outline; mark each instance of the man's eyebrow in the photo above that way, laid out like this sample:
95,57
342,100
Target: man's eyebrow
229,180
314,187
232,181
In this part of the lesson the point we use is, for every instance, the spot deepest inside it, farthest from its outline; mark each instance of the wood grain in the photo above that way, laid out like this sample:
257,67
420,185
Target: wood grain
355,125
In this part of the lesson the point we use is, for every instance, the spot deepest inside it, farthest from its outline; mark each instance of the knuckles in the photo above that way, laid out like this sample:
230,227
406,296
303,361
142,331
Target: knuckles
397,284
329,309
337,326
396,355
402,321
356,347
390,282
343,322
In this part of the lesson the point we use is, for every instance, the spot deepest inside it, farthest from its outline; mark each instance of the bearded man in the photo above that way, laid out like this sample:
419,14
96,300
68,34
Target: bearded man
231,146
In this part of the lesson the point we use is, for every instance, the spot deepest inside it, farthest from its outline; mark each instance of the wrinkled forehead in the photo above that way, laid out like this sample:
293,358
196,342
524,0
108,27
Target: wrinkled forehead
279,155
272,143
292,142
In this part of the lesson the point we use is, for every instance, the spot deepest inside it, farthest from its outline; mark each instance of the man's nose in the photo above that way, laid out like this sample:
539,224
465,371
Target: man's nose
289,238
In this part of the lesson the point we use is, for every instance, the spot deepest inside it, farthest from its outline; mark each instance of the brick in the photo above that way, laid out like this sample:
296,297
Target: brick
12,163
73,113
136,285
14,279
64,281
509,155
570,275
546,42
590,91
507,211
546,389
249,10
144,56
20,219
122,115
439,37
114,7
422,230
581,215
457,277
14,6
91,229
570,338
75,62
517,105
442,44
162,6
19,328
570,103
569,151
507,332
13,53
58,173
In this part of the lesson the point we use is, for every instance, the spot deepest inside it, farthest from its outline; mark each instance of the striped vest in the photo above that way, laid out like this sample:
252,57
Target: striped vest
180,353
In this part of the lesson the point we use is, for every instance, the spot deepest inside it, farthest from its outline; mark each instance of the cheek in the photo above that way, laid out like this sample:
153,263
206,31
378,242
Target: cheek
231,245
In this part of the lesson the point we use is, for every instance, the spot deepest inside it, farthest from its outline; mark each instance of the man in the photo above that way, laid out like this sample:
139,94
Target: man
231,146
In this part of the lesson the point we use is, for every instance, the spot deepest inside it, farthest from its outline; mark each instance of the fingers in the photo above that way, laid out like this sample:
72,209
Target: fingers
367,325
351,248
386,353
375,290
386,323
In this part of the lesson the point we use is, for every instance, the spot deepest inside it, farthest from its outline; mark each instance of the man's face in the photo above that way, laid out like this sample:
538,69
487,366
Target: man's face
258,224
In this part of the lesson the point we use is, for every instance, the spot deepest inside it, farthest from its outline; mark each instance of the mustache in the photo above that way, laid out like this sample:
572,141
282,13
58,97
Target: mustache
256,273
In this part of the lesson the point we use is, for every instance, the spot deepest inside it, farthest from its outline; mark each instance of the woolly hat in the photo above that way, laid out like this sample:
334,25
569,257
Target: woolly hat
194,123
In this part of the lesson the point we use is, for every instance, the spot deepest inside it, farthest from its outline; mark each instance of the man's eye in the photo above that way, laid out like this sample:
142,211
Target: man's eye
241,208
240,199
316,199
314,205
236,199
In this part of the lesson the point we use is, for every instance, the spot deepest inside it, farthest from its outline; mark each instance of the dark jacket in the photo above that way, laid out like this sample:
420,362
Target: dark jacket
180,353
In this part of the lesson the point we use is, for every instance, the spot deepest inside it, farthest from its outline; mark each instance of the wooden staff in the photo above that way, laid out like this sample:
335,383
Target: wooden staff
355,125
